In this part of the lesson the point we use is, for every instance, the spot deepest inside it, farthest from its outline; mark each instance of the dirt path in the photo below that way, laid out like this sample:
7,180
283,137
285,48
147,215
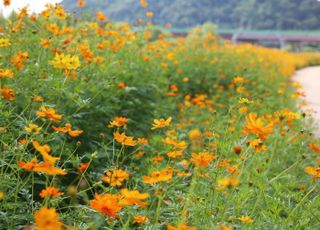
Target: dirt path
309,78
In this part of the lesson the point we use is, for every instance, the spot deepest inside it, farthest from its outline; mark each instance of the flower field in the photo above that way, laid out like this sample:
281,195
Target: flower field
103,127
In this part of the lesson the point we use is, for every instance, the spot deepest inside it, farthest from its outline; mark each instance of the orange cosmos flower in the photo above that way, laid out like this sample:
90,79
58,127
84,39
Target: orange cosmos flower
68,130
315,172
123,139
182,226
45,43
22,141
140,220
202,159
149,14
257,145
6,2
28,166
81,3
6,73
100,16
121,85
116,177
106,204
129,198
19,59
49,169
143,141
8,93
161,123
49,161
158,176
47,219
118,122
37,98
315,147
174,154
83,167
255,125
50,192
144,3
195,135
50,113
45,150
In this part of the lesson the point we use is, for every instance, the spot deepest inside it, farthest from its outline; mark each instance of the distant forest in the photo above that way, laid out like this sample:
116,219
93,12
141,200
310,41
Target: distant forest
244,14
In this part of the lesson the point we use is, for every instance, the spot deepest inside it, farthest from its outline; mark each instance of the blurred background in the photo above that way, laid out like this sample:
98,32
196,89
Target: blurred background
287,24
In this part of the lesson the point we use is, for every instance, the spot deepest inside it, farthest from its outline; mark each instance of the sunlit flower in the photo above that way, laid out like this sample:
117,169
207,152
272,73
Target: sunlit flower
68,62
161,123
115,177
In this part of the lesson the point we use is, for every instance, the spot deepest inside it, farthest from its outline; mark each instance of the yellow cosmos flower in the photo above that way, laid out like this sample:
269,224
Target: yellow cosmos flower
4,42
161,123
33,128
246,219
62,61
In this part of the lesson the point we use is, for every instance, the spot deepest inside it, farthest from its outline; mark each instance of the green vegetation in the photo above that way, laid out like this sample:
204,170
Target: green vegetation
103,127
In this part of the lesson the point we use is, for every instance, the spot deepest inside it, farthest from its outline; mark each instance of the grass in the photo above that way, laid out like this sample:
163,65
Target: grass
232,150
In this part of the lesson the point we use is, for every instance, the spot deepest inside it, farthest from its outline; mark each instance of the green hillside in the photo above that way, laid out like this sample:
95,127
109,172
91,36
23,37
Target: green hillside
246,14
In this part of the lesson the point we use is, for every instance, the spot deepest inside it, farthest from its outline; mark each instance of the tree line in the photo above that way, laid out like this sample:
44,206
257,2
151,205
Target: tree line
243,14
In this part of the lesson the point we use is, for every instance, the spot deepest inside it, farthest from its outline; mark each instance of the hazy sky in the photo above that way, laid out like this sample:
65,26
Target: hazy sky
34,5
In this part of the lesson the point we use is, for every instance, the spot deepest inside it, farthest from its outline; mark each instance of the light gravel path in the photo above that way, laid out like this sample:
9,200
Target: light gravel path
309,78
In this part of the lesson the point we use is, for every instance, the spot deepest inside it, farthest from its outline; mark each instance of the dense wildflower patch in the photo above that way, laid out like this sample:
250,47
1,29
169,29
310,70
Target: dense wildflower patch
103,127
